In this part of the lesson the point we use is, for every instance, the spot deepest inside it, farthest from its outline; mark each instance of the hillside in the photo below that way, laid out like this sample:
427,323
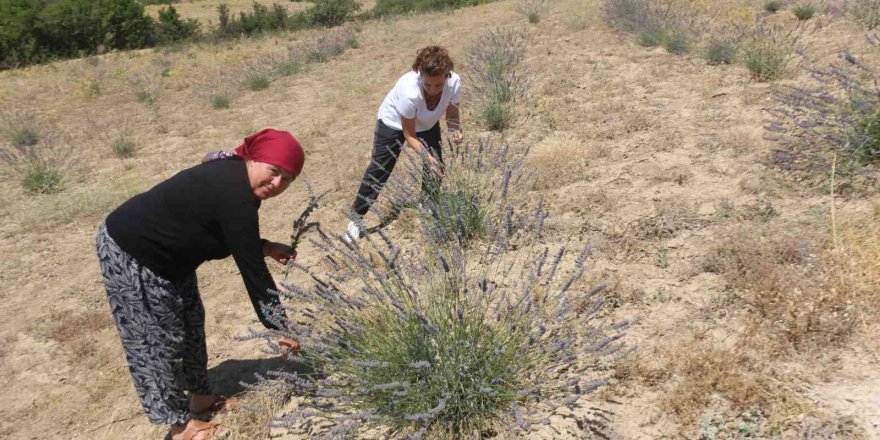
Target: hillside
657,159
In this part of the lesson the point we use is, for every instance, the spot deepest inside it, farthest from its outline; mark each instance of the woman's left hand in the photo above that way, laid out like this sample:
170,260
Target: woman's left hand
279,252
457,136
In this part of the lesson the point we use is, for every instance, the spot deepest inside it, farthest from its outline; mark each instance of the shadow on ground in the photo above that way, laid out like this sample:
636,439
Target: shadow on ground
227,378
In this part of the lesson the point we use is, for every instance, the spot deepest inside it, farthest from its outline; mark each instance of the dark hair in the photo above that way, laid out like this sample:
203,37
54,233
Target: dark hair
433,61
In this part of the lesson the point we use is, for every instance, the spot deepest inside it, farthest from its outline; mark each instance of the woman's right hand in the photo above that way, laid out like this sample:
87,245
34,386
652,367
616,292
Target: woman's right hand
288,346
435,166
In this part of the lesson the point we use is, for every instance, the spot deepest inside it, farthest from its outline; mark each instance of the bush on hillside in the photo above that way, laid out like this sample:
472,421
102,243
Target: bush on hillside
429,343
496,76
33,31
170,27
837,115
866,12
40,162
393,7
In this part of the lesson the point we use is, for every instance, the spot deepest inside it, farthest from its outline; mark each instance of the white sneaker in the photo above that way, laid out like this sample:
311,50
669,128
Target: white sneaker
353,233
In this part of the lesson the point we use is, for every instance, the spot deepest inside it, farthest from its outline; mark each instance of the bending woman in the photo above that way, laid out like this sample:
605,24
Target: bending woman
149,249
411,113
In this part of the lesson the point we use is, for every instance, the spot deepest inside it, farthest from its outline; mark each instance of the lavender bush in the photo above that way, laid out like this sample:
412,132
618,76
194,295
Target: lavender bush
472,203
866,12
654,23
768,51
496,75
838,115
39,160
430,341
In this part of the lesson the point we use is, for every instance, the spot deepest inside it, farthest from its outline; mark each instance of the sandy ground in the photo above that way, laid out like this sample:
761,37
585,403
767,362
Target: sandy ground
618,133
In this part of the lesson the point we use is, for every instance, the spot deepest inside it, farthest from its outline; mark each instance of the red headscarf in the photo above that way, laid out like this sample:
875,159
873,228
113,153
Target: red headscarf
276,147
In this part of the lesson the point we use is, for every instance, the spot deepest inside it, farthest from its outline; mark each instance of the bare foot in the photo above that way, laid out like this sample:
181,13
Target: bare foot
198,430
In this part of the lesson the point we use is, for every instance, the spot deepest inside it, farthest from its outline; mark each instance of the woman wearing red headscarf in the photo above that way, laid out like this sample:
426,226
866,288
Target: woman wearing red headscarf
149,249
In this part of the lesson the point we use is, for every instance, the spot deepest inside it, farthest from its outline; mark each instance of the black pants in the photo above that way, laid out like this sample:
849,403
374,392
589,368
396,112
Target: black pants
387,143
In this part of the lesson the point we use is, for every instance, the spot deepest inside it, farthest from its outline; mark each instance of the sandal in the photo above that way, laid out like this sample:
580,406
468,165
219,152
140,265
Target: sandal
207,431
222,403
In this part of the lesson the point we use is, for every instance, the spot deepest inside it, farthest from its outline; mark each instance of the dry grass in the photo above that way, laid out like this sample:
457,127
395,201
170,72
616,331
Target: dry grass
75,333
855,272
672,216
564,153
259,406
66,327
782,285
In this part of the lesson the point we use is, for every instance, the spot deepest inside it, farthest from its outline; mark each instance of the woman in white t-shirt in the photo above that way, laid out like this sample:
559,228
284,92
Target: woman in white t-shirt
410,114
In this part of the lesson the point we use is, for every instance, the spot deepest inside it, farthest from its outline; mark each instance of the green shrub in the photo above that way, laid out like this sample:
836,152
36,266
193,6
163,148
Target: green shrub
123,146
332,12
768,52
497,115
459,206
24,136
720,52
171,28
866,12
650,37
39,162
439,346
219,101
146,97
34,31
260,20
772,5
676,41
532,9
287,67
42,180
765,60
331,44
804,11
256,81
394,7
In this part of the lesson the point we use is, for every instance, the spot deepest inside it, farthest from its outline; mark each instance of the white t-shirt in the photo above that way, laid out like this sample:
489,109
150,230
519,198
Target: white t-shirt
406,100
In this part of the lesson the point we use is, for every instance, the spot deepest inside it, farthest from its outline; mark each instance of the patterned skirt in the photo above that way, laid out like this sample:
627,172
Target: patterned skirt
162,327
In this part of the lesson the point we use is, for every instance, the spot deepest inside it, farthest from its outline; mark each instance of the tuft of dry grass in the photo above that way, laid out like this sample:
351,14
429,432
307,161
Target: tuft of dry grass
701,377
855,270
260,406
782,285
670,218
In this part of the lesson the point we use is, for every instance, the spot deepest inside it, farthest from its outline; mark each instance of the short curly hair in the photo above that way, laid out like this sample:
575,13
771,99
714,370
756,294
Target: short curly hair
433,61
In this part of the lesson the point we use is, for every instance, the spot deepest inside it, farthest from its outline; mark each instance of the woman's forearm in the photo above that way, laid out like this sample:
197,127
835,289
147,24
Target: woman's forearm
452,121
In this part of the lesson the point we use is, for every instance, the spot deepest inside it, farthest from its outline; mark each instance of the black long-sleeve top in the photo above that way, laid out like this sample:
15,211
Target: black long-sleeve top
206,212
